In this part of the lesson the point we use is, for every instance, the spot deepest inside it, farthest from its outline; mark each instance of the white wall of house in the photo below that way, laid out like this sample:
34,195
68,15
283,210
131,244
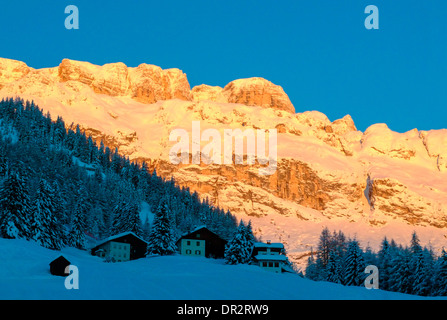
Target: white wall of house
192,247
267,251
273,266
117,251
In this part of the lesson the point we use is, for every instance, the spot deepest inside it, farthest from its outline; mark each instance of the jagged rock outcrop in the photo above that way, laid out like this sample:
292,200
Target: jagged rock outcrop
206,92
145,83
435,141
150,83
251,92
258,92
12,70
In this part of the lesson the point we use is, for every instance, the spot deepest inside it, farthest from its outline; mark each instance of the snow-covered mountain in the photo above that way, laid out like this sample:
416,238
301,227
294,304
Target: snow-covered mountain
368,184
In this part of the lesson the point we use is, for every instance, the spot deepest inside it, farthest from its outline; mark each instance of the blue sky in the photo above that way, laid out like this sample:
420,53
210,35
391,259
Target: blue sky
319,51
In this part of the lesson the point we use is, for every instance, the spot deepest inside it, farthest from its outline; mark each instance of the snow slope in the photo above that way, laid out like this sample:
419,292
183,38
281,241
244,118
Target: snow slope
24,274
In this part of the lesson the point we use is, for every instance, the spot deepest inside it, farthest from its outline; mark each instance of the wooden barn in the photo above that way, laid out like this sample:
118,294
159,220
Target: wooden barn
58,266
121,247
202,243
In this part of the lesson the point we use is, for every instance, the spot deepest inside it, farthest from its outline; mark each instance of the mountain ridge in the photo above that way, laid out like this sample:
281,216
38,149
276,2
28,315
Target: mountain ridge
327,171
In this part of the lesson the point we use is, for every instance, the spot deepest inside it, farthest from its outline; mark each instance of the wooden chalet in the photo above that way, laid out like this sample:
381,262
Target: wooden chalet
270,256
202,242
121,247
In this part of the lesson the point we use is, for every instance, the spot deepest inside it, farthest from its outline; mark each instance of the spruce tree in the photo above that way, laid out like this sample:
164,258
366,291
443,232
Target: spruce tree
333,268
77,235
400,281
161,239
234,249
385,264
440,276
46,230
250,241
239,248
311,271
133,220
323,250
15,220
422,284
354,265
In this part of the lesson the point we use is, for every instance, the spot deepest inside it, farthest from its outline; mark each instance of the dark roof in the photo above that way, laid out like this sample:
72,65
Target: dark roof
277,245
60,260
58,266
117,237
196,230
271,257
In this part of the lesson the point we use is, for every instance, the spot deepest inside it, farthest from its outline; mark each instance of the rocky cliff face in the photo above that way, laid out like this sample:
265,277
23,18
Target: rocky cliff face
251,92
327,172
146,83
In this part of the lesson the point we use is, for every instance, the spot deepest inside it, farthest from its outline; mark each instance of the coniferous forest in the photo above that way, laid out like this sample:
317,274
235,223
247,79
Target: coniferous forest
412,269
57,187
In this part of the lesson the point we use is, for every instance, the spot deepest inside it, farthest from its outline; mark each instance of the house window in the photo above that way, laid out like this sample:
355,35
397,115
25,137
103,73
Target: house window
188,243
188,251
276,264
270,264
198,252
198,235
198,243
264,264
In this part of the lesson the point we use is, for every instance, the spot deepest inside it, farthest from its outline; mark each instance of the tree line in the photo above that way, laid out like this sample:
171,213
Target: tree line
57,186
412,269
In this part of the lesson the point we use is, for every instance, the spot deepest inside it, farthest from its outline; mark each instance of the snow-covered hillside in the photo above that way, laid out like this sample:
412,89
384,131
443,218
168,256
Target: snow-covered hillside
24,274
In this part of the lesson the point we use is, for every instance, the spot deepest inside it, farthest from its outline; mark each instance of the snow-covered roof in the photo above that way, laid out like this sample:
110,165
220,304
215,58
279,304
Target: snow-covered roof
271,257
193,230
278,245
111,238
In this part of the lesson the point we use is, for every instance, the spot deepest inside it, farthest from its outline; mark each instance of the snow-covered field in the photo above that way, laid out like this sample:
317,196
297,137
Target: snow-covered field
24,274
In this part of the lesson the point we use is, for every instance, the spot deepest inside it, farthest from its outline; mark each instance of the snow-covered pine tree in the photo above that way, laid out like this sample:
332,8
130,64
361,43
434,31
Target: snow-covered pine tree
116,162
119,214
46,230
250,241
400,281
385,257
161,238
354,265
311,271
422,284
324,248
439,287
133,220
333,268
77,235
239,248
15,215
234,249
126,217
